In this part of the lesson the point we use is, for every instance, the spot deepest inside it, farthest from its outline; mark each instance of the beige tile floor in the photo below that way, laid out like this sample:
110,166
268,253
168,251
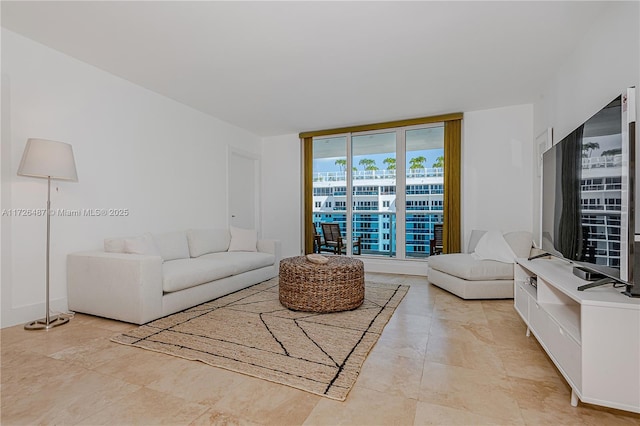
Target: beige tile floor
440,360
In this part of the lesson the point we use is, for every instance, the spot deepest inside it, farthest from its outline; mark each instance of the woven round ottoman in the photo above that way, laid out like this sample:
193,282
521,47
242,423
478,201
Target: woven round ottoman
337,285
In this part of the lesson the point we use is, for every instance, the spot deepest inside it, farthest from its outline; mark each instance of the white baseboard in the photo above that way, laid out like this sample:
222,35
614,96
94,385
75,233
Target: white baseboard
394,266
23,314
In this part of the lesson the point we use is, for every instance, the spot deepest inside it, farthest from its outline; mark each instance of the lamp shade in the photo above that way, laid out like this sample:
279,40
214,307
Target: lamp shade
43,158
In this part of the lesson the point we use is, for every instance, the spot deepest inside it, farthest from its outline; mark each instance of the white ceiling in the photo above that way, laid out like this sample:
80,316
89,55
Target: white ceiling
285,67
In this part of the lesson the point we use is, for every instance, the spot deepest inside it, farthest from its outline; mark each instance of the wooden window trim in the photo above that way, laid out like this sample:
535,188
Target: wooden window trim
451,212
384,125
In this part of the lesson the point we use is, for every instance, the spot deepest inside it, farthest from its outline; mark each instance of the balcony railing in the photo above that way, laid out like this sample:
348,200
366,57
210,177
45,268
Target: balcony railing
601,187
376,174
605,161
377,231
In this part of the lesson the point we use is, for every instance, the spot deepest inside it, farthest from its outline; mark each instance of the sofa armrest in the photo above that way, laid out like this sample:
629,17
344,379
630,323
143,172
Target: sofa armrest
271,246
126,287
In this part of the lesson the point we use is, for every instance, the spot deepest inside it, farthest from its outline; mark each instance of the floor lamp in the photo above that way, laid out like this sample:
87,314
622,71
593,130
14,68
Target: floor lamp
48,160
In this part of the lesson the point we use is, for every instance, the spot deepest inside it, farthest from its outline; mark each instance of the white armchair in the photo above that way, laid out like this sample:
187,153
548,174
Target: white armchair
469,277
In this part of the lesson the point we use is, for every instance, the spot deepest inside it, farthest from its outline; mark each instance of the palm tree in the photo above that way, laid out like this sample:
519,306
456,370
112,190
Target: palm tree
417,162
588,147
342,162
439,163
611,152
390,162
368,164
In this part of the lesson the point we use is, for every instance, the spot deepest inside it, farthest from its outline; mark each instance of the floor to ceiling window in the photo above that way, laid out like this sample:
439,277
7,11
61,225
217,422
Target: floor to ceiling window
373,156
389,206
424,188
329,183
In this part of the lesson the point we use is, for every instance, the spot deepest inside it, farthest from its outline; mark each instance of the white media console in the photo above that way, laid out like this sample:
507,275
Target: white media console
592,336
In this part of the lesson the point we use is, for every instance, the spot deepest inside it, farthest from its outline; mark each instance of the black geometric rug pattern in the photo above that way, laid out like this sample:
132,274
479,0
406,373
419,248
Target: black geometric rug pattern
251,333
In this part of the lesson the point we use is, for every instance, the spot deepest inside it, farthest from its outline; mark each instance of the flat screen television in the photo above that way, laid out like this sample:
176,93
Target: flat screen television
588,193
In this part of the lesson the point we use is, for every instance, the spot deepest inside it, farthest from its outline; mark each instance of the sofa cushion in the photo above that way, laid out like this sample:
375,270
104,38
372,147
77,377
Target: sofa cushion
474,238
243,239
203,241
493,246
464,266
185,273
172,245
144,244
243,261
520,242
114,245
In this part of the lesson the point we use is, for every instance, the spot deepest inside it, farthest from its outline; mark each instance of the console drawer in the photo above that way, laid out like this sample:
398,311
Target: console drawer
538,322
566,351
522,302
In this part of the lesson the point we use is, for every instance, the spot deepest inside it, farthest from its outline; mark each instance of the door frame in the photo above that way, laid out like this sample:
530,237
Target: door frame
257,219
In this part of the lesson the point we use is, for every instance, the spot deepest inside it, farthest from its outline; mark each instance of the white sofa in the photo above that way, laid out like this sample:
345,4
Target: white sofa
468,277
144,278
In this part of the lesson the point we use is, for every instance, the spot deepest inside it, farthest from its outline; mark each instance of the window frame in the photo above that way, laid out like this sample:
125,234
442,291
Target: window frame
452,148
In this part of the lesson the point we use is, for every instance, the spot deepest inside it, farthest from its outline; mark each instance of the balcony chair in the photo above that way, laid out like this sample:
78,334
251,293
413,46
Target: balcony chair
435,245
332,240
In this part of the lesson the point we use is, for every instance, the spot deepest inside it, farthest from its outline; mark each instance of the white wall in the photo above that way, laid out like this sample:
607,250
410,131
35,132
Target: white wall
134,149
602,66
497,175
281,192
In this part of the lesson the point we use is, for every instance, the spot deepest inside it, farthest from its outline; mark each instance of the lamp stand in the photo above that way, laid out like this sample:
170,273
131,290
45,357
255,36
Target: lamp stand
48,321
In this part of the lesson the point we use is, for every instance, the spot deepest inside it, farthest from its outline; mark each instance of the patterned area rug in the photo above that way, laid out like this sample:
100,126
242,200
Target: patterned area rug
251,333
